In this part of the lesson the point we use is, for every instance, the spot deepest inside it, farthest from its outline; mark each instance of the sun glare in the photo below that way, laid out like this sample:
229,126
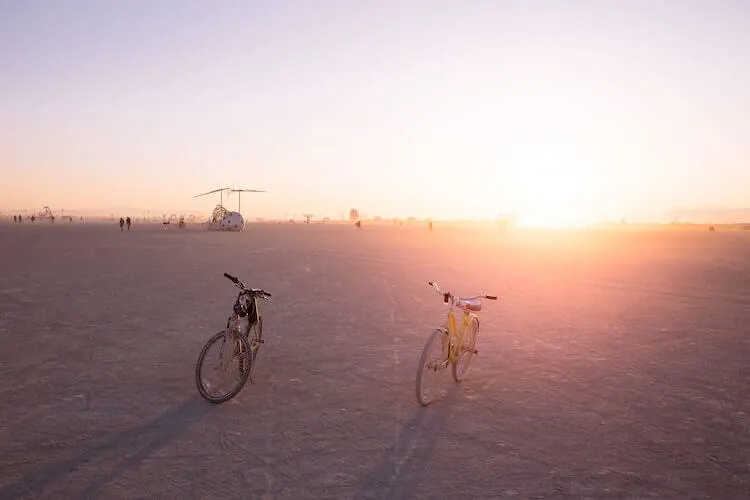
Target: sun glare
554,197
550,220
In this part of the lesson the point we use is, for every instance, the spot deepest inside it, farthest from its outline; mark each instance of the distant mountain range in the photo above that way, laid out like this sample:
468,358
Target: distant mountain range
709,215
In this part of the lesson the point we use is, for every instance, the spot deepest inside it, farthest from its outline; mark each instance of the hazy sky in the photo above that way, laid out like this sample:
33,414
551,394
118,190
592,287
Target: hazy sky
557,110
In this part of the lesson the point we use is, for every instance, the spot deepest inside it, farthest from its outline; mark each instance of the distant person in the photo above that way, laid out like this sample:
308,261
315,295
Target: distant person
127,221
358,224
122,223
20,219
33,218
15,218
429,224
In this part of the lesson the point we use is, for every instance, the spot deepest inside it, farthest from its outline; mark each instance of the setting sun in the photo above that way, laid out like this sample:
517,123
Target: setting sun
554,195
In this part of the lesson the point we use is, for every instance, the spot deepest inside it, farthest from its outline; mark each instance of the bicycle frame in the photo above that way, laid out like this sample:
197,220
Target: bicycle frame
456,335
234,327
235,317
451,329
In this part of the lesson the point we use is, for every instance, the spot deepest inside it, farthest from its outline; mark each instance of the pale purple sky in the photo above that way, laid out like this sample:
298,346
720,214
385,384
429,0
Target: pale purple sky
587,109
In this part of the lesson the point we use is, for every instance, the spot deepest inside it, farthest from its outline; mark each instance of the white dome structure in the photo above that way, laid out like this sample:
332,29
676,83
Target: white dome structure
232,221
221,218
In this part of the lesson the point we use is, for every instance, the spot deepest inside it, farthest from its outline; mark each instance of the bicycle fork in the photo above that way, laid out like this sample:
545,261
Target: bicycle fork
231,338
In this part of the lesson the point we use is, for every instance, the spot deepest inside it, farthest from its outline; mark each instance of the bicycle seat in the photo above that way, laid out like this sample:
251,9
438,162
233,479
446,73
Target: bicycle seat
471,305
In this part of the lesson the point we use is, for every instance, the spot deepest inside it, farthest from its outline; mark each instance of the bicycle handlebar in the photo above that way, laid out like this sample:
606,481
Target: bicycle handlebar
448,295
242,286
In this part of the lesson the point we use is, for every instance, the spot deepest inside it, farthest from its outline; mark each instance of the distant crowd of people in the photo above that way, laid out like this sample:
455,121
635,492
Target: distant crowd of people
19,218
123,222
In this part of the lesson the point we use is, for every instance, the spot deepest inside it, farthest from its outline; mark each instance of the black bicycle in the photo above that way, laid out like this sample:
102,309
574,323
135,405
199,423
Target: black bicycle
238,346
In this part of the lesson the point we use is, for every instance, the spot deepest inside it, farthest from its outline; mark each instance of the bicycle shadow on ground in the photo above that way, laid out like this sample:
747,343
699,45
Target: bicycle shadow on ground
401,467
113,457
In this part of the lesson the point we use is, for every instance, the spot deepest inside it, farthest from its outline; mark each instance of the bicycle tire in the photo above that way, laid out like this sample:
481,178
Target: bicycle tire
436,336
243,376
466,354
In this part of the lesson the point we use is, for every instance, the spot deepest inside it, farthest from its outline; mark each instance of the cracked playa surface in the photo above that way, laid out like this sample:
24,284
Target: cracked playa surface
616,364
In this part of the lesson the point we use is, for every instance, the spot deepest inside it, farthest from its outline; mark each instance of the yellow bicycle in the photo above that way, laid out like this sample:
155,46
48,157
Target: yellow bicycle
450,344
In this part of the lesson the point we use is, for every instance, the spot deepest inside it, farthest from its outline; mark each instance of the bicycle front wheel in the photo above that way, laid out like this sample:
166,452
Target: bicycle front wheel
223,367
467,351
433,361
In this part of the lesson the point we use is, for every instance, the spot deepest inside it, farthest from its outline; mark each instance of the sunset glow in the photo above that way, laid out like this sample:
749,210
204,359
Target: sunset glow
560,113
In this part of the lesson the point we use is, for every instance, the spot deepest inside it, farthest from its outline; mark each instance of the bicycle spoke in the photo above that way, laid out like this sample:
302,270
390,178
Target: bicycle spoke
432,364
221,378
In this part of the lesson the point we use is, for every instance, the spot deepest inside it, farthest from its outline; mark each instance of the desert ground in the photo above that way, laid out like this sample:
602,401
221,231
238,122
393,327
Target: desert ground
615,365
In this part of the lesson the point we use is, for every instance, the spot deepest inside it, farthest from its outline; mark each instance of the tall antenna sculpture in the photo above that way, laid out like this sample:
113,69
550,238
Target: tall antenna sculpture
220,191
223,219
239,195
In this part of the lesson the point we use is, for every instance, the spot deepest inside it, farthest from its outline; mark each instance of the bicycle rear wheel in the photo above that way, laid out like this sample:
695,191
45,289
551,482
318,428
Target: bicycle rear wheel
468,349
433,361
234,362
